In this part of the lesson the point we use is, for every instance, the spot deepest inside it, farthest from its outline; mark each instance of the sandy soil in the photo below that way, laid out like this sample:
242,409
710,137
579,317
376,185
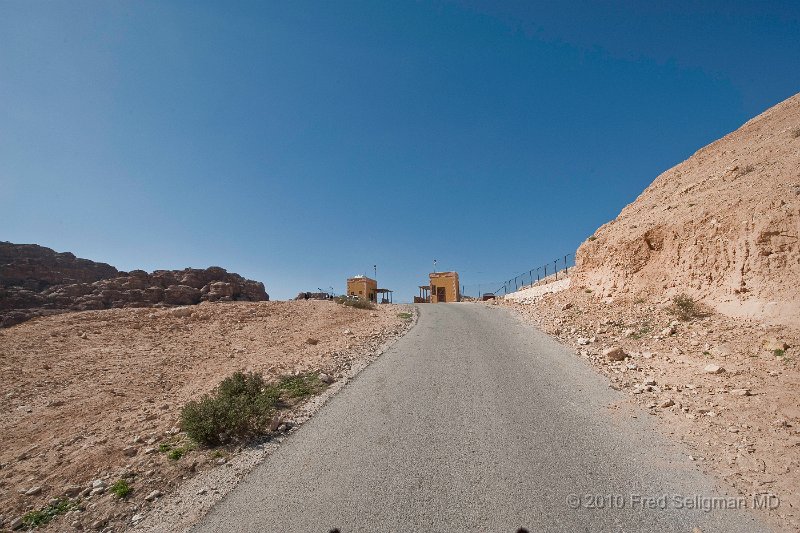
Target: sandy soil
92,395
742,424
721,226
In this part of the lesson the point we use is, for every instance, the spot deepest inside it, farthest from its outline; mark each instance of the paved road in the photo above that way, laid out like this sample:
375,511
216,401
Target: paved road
473,422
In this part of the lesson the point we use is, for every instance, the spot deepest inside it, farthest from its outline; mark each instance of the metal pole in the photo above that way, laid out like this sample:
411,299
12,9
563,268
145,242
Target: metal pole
566,269
537,274
555,267
545,272
434,266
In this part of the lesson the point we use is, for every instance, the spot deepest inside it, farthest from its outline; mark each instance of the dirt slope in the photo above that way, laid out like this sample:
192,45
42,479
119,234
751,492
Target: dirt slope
92,395
740,422
722,226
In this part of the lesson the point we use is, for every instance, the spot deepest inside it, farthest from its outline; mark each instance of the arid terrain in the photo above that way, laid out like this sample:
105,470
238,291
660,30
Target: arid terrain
37,281
93,397
718,365
722,227
742,420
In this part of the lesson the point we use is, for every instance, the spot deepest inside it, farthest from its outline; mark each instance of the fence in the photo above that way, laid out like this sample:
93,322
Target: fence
538,274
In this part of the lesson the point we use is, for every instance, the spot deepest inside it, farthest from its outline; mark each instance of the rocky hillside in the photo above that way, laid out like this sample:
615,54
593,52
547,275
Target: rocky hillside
722,227
36,281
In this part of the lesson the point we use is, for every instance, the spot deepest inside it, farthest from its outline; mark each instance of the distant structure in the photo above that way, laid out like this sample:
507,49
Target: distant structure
443,287
367,289
314,296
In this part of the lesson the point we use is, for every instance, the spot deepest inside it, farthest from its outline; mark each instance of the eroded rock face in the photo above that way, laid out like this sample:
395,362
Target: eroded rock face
35,267
721,227
36,281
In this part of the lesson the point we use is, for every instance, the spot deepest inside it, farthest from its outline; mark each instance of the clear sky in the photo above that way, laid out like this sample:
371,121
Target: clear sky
299,143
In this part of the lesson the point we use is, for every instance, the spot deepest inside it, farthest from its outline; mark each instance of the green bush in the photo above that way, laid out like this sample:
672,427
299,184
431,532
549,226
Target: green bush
405,316
121,489
293,387
175,454
44,515
242,406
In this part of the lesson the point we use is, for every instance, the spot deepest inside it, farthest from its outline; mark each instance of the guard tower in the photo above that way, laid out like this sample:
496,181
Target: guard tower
444,287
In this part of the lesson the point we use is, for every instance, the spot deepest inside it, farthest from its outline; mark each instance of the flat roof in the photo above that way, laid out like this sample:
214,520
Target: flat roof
361,278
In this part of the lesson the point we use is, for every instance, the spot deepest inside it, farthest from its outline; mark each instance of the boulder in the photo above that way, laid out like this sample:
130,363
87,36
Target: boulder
220,290
181,295
711,368
615,353
772,344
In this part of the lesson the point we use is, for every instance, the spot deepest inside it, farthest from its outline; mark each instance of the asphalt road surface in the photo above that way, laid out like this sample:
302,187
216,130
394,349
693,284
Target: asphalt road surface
475,421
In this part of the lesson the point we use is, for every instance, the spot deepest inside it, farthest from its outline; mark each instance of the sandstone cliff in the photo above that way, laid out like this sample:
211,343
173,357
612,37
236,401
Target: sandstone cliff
35,281
722,226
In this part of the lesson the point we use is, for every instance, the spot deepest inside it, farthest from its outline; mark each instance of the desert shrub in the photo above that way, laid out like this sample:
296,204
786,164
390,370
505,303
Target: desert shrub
242,406
175,453
592,238
302,386
46,514
121,489
312,341
358,303
405,316
685,308
796,133
239,407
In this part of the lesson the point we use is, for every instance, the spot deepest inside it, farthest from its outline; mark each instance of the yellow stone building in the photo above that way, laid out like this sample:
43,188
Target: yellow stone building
363,287
444,287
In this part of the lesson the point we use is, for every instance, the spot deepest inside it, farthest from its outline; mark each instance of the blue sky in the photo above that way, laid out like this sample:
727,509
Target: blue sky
299,143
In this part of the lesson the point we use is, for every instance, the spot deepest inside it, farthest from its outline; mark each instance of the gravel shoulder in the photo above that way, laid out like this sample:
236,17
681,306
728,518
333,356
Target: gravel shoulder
714,383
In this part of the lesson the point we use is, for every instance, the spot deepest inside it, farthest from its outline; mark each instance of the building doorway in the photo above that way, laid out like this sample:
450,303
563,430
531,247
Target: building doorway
441,294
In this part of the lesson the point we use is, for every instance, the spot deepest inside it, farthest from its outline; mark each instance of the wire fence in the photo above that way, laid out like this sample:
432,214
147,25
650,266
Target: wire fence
551,271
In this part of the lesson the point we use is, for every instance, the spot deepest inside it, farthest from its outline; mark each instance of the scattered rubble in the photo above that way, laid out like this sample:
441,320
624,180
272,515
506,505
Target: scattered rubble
744,402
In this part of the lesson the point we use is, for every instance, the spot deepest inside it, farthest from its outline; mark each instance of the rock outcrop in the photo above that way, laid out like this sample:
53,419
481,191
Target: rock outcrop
35,267
35,281
722,227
